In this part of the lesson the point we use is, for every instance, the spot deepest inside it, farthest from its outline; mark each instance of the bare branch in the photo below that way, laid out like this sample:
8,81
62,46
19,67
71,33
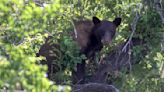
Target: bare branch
75,31
133,27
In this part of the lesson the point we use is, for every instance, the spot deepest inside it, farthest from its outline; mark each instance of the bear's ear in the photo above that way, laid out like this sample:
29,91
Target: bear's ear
117,21
96,20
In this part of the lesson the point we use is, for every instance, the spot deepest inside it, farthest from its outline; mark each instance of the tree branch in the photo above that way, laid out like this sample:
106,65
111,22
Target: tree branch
133,27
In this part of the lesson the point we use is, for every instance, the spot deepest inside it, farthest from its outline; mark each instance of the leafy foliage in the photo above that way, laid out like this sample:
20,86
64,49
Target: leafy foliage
24,26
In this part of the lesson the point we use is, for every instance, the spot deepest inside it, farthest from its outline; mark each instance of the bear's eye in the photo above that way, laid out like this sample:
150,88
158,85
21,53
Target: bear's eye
112,33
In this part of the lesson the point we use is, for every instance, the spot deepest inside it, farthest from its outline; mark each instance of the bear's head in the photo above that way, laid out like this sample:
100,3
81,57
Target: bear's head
103,30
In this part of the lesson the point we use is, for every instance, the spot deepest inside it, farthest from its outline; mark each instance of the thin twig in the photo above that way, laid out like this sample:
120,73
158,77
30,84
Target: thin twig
75,31
133,27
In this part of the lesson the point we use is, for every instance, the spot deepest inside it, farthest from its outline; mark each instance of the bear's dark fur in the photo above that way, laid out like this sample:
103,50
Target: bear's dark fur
90,37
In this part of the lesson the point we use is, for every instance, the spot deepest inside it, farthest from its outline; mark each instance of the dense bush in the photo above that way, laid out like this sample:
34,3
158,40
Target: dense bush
24,25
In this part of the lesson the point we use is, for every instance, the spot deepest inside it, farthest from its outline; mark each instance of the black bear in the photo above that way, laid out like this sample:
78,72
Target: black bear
91,36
